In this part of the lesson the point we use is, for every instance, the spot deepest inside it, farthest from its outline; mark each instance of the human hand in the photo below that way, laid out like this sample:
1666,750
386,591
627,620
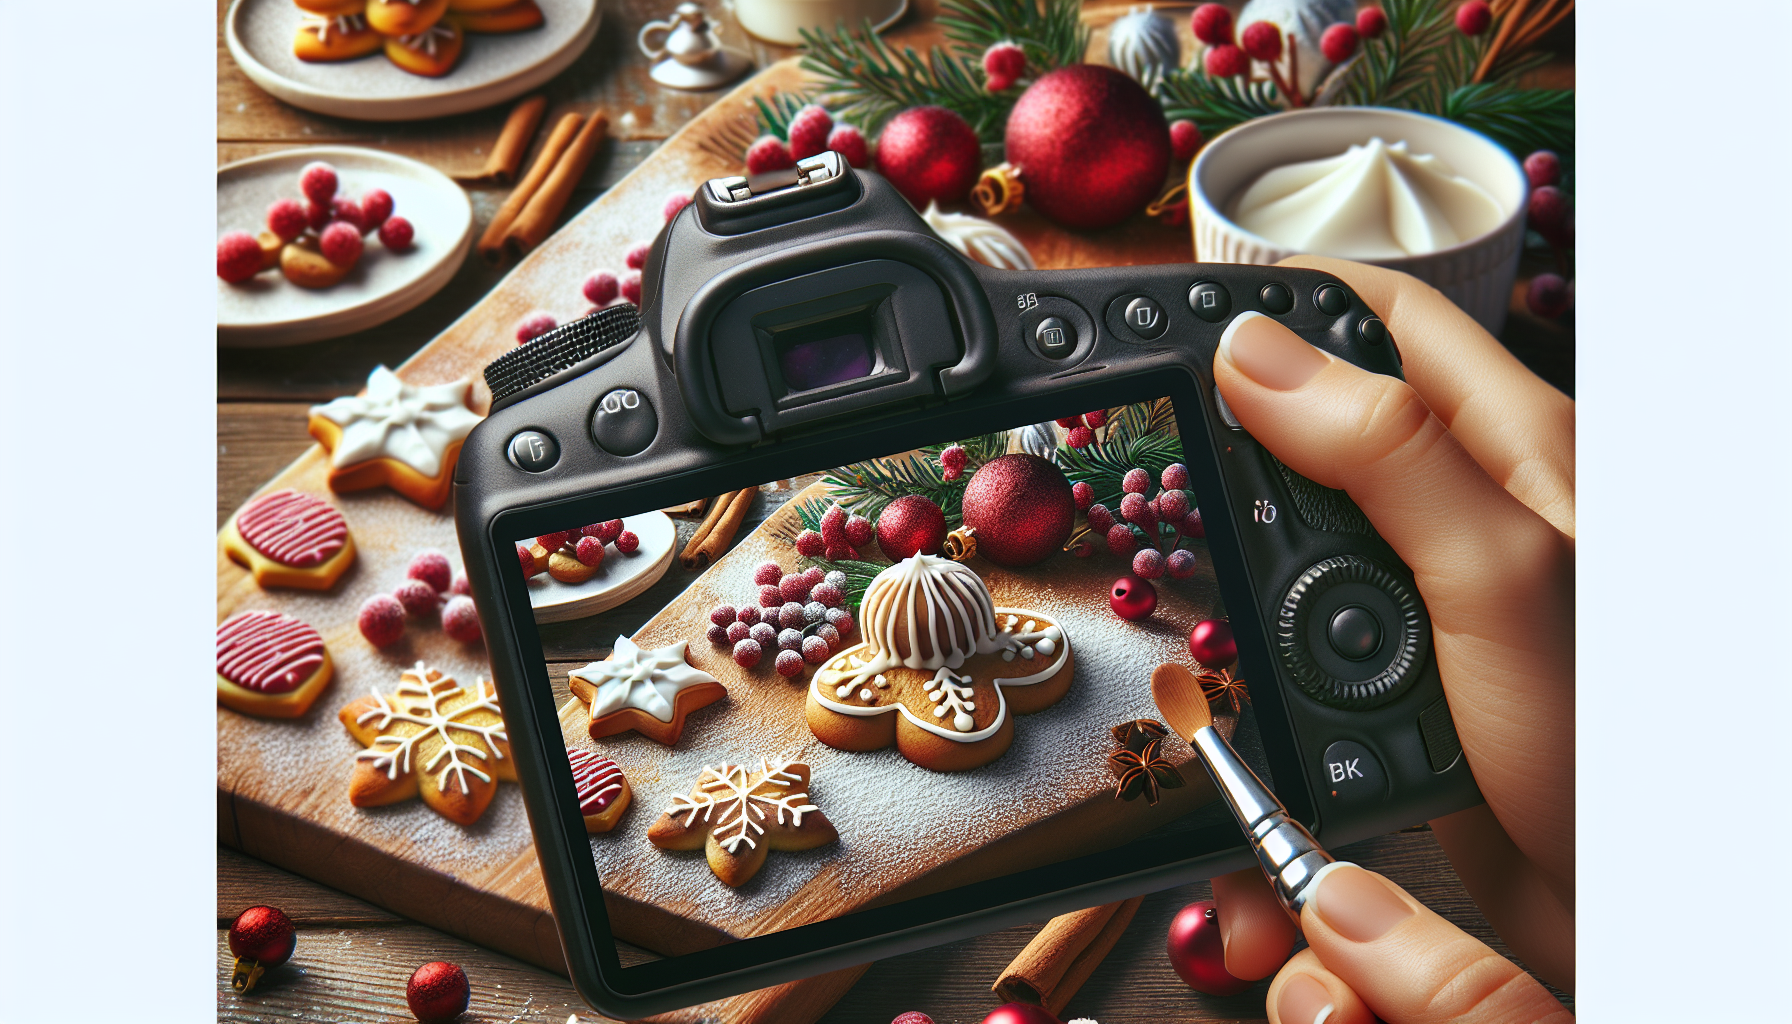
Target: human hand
1467,470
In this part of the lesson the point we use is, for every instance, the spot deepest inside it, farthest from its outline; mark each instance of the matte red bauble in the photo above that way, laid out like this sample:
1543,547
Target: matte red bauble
260,938
1212,644
1091,145
1020,1013
437,992
929,153
1197,953
1021,508
910,525
1132,598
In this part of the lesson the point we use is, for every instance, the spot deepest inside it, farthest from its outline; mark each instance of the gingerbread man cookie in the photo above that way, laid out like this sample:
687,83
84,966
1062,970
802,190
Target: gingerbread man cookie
941,672
430,52
603,791
324,38
405,436
270,664
650,692
289,539
432,738
738,815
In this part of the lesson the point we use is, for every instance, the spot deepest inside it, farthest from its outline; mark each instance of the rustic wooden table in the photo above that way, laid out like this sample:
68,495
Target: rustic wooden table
353,958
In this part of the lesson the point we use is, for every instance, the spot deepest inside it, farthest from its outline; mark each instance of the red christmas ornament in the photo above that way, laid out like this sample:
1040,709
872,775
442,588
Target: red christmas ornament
1091,145
1021,509
1198,955
1212,644
1132,598
437,992
929,153
910,525
1020,1013
260,938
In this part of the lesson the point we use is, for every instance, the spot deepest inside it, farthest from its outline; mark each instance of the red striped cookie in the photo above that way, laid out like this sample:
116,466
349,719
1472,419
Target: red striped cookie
289,539
603,792
270,664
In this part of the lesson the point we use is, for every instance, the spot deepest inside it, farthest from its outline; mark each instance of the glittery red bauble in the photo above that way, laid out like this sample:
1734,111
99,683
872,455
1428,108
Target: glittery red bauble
1197,953
910,525
1212,644
1022,509
1132,598
264,935
1091,145
437,992
1020,1013
929,153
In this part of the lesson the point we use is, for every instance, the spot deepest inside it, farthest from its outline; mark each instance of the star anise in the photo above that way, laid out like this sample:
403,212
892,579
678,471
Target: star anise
1142,772
1219,686
1135,735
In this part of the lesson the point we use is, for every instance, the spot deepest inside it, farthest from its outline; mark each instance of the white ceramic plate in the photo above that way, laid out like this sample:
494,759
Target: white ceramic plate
492,69
270,310
620,577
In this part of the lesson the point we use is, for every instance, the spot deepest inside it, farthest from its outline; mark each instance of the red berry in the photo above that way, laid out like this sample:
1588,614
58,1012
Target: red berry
1172,506
815,650
764,634
1181,564
437,993
1121,540
1212,644
916,1016
1096,420
1473,17
554,541
286,218
396,234
840,619
1185,142
1003,64
1371,22
461,585
747,613
723,615
737,631
1212,24
317,215
239,256
1548,210
1137,511
717,634
1070,422
1174,477
830,634
1136,481
533,326
793,588
1225,61
747,652
768,572
1192,526
809,544
833,524
1542,167
790,638
601,288
1080,438
953,459
789,664
1548,296
809,132
675,202
627,542
594,530
850,144
1338,42
341,244
418,597
769,153
790,615
1082,494
460,620
858,531
346,211
770,597
527,558
637,255
609,530
1262,40
1148,564
630,286
376,208
1132,598
828,595
589,552
1100,519
432,568
381,620
318,182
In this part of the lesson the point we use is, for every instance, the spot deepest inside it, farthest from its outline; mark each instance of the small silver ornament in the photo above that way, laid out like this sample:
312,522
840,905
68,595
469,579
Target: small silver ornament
1040,439
1143,44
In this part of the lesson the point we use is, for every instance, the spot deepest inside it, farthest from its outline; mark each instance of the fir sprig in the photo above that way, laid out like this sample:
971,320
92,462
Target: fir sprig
858,576
1138,436
864,82
1214,104
1522,120
1051,32
777,110
867,487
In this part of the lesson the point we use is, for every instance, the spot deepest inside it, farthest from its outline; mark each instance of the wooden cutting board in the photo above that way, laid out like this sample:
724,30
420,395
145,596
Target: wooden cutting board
282,785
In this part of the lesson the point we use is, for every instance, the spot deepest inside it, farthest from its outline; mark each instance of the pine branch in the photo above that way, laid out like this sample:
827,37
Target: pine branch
858,577
865,82
1395,69
1214,104
1522,120
1051,32
776,111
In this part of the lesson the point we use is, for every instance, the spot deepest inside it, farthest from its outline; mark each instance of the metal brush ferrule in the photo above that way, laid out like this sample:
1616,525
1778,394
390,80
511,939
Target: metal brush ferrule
1288,853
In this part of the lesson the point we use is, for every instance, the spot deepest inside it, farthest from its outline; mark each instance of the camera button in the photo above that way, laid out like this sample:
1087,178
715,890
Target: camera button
624,422
1056,338
1145,318
533,451
1355,632
1276,298
1372,330
1331,299
1210,301
1353,775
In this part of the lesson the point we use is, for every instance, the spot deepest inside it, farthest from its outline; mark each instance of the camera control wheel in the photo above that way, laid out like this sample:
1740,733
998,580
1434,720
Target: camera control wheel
1353,634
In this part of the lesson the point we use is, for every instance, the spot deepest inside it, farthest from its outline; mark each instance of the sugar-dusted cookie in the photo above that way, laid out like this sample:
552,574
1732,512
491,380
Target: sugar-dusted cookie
509,16
331,38
650,692
603,791
305,265
405,436
289,539
431,53
429,737
941,672
404,17
738,815
270,664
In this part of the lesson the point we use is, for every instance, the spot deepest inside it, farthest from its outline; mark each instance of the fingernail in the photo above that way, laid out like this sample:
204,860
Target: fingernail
1358,905
1304,1001
1269,353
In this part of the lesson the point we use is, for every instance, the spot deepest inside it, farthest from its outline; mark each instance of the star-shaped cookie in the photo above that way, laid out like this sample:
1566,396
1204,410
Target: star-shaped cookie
738,815
405,436
650,692
430,737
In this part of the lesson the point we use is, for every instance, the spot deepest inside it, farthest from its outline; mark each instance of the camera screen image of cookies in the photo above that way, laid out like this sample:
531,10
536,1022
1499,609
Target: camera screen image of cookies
907,674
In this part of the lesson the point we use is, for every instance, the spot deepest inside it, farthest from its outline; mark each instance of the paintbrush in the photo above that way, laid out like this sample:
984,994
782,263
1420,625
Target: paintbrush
1288,853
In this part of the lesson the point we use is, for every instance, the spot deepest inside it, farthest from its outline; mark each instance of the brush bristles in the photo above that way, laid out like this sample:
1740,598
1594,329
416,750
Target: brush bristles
1179,698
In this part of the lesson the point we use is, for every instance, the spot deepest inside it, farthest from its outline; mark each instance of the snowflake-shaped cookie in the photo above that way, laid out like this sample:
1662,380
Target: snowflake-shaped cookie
430,737
738,815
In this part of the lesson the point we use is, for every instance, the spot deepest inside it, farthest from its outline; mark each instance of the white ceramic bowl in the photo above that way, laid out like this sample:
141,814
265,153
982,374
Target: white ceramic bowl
1477,275
782,21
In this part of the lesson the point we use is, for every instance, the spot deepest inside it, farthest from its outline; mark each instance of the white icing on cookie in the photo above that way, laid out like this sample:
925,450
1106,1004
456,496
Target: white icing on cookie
731,793
636,678
412,423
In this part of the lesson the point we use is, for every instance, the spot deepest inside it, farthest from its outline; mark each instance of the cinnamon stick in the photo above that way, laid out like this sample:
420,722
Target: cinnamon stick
721,534
491,244
513,142
1063,956
536,222
717,509
689,508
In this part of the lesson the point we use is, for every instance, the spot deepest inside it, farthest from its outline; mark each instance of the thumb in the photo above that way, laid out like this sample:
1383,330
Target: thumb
1411,966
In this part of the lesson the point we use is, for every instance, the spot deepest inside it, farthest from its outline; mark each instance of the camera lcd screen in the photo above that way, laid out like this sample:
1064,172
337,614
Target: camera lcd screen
870,682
